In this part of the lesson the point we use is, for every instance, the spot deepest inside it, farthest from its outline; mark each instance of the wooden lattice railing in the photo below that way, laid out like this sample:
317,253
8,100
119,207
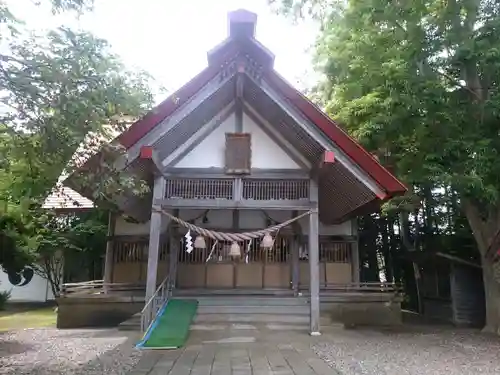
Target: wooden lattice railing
266,190
136,251
224,188
200,188
97,287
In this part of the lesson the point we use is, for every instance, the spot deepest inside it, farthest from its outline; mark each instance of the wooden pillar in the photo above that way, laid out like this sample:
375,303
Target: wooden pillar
295,255
314,262
295,265
154,238
355,253
108,260
174,251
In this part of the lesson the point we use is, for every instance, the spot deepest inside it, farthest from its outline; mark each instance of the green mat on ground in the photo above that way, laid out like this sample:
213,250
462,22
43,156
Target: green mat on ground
171,329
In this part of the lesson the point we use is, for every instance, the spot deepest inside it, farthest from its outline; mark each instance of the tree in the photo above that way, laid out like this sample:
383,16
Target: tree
56,91
418,83
60,237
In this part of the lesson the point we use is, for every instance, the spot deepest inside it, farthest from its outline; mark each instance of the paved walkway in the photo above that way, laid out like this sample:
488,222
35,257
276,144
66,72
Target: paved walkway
238,349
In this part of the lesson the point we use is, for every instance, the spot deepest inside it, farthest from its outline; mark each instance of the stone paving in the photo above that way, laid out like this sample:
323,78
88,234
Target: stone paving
247,349
239,349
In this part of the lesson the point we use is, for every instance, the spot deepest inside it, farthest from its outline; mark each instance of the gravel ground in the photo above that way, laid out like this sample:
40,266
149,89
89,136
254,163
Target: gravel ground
442,351
71,352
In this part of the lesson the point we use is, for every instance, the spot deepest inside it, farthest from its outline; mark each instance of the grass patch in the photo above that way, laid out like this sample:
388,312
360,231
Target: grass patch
36,318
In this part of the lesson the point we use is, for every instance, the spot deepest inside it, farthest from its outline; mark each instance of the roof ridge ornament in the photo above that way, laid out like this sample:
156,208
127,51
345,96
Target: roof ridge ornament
241,38
241,23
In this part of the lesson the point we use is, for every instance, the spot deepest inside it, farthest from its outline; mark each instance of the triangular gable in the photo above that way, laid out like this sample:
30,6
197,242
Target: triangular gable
267,152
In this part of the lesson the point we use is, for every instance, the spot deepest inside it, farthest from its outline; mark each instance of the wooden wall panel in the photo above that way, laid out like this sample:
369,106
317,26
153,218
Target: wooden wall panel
249,275
304,273
277,275
127,272
191,275
220,275
162,271
143,273
338,273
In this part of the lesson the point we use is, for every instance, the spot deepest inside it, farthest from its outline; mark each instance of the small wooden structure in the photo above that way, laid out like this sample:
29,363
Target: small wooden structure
238,149
452,289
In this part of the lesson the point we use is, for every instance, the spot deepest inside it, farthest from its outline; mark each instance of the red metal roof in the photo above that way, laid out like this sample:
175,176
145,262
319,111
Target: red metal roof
141,127
144,125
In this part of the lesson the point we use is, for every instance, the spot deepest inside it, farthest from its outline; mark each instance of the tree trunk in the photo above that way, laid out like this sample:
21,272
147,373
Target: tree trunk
368,250
484,232
395,250
492,296
409,246
386,249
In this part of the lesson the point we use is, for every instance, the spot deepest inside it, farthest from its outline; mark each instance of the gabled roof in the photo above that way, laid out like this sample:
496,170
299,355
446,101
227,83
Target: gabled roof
389,183
282,105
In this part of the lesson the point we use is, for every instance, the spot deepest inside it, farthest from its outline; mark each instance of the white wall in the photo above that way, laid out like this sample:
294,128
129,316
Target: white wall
266,154
223,219
36,290
210,153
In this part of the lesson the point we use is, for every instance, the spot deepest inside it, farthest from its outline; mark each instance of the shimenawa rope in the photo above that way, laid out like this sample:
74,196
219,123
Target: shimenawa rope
223,236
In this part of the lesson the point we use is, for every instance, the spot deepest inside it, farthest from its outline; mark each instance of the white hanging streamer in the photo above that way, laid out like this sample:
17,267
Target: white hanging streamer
303,253
212,251
189,242
248,251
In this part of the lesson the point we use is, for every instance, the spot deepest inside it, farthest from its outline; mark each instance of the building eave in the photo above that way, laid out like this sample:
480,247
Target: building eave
154,117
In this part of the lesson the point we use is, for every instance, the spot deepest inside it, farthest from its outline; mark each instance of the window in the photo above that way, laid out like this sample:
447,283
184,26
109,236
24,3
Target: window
238,153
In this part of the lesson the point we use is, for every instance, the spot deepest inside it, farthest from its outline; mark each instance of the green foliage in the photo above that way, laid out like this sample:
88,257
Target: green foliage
78,6
58,238
418,83
58,91
4,298
318,9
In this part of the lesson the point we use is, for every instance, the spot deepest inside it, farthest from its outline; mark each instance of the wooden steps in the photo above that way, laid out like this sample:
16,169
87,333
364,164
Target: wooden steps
131,324
252,309
236,306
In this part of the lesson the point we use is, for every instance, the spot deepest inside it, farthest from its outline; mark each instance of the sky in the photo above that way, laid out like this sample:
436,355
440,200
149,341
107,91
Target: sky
170,38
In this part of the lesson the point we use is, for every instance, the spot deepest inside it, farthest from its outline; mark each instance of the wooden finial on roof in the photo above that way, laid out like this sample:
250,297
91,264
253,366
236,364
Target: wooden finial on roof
242,23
